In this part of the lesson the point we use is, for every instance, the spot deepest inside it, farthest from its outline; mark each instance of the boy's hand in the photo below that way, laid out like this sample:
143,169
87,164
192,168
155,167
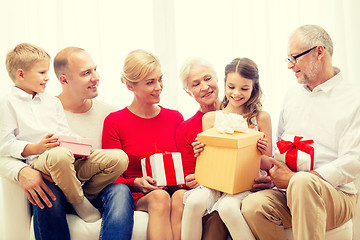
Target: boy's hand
48,142
35,188
198,147
262,145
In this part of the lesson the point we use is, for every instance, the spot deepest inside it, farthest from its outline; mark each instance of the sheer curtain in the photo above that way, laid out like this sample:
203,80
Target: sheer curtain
217,30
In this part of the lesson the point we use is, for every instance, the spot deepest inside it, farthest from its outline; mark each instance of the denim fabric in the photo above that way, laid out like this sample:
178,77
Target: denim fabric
50,223
115,202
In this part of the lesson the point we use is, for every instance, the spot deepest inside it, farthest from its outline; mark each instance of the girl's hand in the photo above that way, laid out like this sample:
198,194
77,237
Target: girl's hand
262,145
190,181
198,147
145,184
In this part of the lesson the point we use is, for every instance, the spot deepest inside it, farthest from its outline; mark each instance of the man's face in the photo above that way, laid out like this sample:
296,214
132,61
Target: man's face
82,76
306,67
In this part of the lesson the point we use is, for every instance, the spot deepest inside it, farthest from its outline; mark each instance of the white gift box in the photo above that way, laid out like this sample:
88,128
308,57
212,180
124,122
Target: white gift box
165,168
300,153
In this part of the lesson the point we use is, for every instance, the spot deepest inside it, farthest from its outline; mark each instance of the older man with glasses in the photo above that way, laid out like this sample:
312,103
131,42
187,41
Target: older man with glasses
325,108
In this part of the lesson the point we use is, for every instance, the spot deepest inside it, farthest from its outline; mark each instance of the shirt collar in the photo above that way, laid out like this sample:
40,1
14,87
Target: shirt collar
329,84
24,95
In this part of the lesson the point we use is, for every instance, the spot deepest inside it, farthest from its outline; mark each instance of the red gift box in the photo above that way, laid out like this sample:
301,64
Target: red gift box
298,154
166,168
79,146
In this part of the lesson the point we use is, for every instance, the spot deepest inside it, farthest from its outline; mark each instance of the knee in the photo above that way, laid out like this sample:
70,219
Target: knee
160,201
60,157
251,205
302,182
228,207
117,192
118,160
197,201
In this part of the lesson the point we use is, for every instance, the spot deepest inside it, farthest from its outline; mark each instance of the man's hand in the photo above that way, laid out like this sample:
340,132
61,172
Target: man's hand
190,181
261,183
34,187
145,184
280,174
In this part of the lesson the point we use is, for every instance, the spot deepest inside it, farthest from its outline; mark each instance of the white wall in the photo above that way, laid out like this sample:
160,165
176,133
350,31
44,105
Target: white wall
218,30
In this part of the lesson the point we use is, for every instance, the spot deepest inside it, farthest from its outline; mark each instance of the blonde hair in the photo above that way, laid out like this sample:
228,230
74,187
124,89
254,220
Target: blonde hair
138,64
188,64
23,56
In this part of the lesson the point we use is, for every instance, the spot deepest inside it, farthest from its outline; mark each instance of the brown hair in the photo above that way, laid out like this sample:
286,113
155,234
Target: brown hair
249,70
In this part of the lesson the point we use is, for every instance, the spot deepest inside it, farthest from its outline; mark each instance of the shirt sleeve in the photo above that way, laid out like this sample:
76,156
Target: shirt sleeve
9,145
10,167
346,168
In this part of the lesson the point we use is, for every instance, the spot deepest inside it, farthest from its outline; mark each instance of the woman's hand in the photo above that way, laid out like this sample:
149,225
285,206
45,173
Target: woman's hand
145,184
190,181
198,147
262,145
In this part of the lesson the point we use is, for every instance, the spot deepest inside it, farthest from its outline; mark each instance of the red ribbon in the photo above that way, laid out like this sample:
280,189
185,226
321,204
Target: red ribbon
168,167
291,149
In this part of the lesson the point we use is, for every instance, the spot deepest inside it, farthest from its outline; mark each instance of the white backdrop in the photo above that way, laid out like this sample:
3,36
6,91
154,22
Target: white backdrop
217,30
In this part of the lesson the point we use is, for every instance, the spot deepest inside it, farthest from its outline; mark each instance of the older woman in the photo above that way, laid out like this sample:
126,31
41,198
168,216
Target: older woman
141,128
199,81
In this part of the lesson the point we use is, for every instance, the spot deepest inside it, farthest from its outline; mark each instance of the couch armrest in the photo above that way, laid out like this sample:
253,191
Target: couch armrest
15,211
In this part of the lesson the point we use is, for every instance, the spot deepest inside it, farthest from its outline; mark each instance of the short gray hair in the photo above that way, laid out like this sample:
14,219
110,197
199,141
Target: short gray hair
185,69
314,35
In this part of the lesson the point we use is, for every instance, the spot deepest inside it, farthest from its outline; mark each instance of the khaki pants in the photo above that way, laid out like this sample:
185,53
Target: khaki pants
95,172
311,206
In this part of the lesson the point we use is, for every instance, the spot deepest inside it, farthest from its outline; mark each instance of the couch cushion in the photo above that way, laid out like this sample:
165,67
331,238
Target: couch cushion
81,230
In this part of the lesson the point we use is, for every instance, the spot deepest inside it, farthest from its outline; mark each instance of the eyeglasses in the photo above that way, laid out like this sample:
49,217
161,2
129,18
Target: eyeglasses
292,59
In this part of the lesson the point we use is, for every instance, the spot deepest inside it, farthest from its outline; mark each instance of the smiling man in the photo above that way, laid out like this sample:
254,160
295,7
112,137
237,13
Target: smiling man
326,108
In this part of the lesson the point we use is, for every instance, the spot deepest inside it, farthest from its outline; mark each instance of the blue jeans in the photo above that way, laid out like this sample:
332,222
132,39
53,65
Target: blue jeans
115,202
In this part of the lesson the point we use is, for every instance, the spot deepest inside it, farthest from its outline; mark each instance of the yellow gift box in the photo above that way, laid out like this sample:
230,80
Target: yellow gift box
229,162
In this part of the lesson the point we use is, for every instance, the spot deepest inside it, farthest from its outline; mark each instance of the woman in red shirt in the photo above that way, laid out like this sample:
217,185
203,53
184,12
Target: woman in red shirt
142,128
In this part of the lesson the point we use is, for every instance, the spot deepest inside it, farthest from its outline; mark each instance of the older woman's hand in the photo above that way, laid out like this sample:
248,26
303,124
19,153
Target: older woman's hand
190,181
198,147
145,184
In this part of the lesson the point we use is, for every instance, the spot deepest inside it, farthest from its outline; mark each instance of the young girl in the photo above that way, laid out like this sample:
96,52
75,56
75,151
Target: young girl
242,96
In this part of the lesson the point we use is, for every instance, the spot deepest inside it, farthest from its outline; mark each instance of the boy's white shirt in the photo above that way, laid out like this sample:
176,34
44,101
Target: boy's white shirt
25,119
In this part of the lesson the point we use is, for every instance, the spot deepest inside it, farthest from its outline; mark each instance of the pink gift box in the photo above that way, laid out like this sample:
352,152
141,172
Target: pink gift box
79,146
165,168
298,153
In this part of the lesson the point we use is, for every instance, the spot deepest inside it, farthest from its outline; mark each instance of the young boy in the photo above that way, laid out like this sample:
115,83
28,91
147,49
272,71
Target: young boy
31,120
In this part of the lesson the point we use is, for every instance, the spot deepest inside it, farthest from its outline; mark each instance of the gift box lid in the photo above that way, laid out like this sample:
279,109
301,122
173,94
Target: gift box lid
76,140
236,140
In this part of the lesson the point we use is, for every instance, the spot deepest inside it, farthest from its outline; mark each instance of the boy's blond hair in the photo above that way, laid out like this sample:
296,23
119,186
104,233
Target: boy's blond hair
23,56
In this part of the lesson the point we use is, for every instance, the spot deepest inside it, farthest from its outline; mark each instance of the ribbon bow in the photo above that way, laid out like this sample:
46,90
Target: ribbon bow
291,149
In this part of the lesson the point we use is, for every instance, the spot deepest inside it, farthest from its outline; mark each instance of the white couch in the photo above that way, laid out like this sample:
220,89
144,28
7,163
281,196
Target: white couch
16,223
